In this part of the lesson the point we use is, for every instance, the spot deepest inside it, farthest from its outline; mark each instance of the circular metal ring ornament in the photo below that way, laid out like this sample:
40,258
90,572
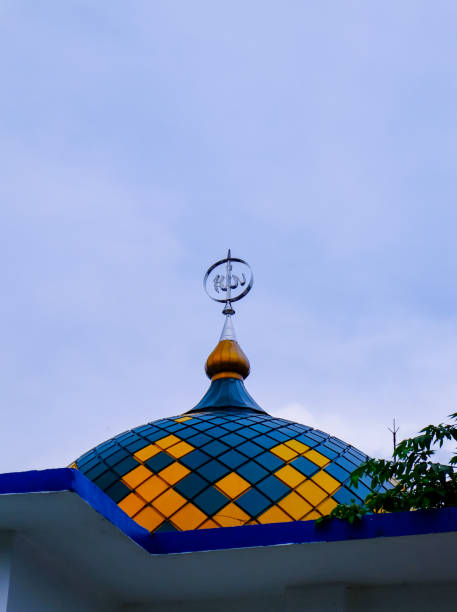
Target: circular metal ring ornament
228,285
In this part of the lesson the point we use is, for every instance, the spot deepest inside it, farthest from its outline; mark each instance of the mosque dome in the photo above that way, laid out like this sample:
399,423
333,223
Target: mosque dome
225,462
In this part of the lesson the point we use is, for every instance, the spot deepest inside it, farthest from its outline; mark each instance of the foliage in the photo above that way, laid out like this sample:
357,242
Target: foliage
417,482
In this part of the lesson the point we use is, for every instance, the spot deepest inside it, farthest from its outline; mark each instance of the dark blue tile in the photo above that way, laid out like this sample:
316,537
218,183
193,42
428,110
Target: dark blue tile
106,480
199,440
159,462
345,496
347,465
128,435
194,459
266,441
245,421
253,502
124,466
298,428
250,449
327,452
360,457
321,434
202,426
273,488
337,472
304,466
218,421
155,435
307,440
144,429
269,461
187,432
96,471
268,424
166,526
252,472
118,456
213,470
232,439
332,446
232,426
362,490
210,501
216,432
137,445
191,486
117,491
105,445
277,435
247,432
215,448
86,467
233,458
313,436
176,427
341,445
107,452
260,428
288,431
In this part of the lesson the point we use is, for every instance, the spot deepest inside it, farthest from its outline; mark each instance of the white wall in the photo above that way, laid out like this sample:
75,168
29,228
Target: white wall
328,598
37,584
5,568
403,598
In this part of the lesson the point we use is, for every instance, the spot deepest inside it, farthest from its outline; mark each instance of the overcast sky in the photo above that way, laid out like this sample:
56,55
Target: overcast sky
140,140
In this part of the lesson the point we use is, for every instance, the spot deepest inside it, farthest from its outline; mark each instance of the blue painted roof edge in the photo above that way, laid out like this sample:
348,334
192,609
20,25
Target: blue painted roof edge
67,479
299,532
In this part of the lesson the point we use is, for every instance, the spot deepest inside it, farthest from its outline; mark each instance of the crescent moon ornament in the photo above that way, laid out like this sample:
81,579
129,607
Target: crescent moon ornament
228,280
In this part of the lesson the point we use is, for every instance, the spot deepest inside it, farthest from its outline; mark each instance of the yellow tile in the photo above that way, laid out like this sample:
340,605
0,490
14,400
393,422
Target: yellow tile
327,482
183,419
295,505
284,452
150,489
174,473
136,476
167,441
73,465
131,504
311,492
180,449
169,502
327,506
189,517
209,524
147,452
312,516
149,518
297,446
317,458
231,516
232,485
290,476
274,515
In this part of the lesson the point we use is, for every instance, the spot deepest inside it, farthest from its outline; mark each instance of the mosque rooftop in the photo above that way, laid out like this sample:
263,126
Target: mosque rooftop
224,462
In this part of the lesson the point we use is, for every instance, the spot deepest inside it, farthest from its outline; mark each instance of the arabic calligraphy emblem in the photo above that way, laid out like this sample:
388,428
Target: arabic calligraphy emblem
228,280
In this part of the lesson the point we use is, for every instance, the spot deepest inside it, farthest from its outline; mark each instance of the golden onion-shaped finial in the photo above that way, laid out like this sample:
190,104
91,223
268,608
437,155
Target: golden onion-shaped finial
228,359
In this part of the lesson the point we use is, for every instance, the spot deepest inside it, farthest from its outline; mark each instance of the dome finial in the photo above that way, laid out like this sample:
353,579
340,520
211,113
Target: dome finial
227,281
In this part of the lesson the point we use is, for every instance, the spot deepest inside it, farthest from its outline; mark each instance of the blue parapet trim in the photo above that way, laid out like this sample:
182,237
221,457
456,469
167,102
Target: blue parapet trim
67,479
300,532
